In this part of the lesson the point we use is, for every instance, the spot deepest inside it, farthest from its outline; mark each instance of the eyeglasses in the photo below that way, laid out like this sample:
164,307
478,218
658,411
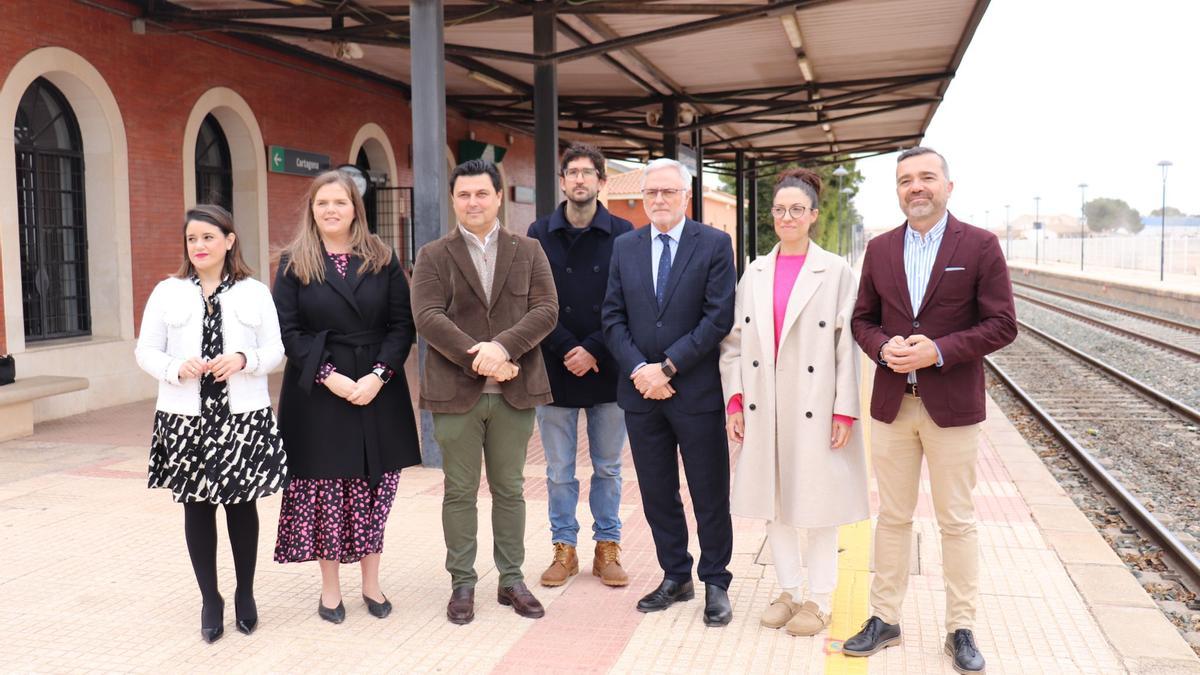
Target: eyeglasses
580,173
667,193
796,212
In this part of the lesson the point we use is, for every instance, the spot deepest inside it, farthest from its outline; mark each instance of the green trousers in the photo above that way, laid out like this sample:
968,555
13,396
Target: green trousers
495,434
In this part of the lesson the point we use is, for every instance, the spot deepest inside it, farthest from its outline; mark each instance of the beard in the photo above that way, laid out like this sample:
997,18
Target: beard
584,201
920,210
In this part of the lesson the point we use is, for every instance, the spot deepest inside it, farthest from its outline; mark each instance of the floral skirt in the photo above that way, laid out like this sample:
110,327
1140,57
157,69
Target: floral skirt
339,519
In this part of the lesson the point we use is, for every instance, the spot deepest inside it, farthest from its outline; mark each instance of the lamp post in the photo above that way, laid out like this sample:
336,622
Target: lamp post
841,173
1082,222
1007,235
1037,230
846,192
1162,248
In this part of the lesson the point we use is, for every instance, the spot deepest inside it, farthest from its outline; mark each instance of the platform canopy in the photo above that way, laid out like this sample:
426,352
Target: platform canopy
784,80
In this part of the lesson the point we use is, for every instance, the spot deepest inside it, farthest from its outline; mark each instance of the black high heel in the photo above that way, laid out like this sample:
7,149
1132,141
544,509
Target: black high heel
379,610
247,617
212,628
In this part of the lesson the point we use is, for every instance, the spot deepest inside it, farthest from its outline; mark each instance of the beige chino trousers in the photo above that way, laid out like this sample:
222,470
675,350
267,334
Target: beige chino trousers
896,452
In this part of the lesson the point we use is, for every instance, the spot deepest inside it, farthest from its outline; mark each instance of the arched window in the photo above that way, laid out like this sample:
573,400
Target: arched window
214,168
371,199
51,215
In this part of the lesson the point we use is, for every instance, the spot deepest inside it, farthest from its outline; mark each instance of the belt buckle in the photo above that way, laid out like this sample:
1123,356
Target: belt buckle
915,391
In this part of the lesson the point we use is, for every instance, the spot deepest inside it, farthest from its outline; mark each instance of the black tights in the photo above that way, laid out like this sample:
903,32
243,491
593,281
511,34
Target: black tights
200,530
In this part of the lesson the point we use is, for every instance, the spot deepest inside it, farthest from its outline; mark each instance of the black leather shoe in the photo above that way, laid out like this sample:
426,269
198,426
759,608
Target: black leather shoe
246,612
874,636
461,608
960,645
331,614
379,610
212,621
717,610
668,593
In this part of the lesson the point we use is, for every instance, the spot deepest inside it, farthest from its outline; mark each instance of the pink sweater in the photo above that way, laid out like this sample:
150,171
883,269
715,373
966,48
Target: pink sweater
787,269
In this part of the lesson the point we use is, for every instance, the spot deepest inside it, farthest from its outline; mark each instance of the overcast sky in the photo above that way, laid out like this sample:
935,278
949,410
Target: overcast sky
1054,93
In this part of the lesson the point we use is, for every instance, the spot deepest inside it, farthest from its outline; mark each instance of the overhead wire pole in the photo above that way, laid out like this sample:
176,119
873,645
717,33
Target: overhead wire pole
752,225
431,210
698,179
545,110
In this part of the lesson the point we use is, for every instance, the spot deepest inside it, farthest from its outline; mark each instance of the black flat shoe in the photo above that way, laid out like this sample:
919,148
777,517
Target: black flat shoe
379,610
246,612
668,593
212,622
717,610
332,615
874,636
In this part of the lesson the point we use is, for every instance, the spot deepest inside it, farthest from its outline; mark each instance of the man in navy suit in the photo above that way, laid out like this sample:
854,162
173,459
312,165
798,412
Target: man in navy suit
668,306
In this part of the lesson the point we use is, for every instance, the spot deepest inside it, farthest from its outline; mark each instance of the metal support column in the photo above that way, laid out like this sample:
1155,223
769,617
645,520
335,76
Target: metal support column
545,110
698,179
739,244
752,225
670,120
431,209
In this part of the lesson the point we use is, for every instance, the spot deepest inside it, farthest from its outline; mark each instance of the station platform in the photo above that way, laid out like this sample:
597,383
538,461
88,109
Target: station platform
95,576
1176,294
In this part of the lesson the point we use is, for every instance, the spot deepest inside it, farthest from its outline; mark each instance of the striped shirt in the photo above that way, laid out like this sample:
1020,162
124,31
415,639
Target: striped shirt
919,254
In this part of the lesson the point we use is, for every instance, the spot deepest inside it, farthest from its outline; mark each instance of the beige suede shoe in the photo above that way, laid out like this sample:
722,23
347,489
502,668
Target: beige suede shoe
808,621
780,612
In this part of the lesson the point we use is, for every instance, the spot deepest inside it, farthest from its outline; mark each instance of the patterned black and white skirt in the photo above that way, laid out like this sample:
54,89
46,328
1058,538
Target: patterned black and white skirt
217,456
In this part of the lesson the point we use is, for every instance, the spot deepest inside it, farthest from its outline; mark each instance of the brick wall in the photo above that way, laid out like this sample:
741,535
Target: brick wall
157,78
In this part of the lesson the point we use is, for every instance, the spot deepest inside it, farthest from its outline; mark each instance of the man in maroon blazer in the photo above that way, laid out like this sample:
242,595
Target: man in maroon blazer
934,299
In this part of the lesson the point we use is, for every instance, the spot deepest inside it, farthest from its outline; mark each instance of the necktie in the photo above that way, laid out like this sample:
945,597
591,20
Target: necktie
664,268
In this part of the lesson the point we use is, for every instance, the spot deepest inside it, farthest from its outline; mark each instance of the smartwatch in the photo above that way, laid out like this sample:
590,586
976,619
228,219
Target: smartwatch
668,369
382,374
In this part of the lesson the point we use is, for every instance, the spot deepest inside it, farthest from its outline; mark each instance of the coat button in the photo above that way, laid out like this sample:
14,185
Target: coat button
916,324
595,308
751,406
747,319
821,324
596,268
808,415
810,369
658,324
567,309
569,270
755,364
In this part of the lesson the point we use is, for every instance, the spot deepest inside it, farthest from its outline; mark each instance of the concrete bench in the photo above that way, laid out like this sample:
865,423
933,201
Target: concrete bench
16,401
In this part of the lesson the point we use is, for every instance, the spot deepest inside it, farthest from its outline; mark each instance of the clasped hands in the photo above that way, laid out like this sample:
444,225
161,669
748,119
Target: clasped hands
221,367
491,361
358,392
904,355
651,383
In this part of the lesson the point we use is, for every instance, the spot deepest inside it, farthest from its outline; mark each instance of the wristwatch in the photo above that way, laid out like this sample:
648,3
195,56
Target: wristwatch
668,369
382,374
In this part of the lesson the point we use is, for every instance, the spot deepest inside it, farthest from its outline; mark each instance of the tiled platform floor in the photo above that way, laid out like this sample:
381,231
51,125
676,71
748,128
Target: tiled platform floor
94,576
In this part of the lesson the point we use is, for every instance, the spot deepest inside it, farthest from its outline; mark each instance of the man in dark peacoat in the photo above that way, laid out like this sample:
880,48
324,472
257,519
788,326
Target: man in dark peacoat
934,299
483,299
669,305
578,239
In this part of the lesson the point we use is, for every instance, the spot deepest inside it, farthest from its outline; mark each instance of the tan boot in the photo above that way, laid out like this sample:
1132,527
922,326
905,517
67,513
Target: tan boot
810,620
780,612
607,564
565,566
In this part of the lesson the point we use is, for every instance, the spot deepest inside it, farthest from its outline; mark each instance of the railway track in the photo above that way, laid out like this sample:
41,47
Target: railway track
1167,334
1139,445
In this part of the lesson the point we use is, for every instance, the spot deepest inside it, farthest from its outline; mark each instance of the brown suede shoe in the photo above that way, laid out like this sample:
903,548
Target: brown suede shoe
607,564
461,608
522,600
564,566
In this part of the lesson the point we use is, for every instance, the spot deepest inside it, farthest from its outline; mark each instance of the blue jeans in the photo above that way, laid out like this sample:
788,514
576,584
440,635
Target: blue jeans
606,436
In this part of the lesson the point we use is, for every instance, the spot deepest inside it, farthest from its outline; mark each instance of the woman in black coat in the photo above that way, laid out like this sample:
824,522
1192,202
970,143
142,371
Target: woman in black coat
345,411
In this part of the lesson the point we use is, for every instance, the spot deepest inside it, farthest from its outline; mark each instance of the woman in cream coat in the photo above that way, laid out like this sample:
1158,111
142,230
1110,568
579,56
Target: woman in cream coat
789,370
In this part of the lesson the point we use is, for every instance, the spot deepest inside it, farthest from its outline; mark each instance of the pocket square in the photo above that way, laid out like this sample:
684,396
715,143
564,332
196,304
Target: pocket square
955,269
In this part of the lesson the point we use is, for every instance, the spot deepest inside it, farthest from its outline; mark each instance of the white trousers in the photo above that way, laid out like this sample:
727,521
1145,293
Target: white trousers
820,556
